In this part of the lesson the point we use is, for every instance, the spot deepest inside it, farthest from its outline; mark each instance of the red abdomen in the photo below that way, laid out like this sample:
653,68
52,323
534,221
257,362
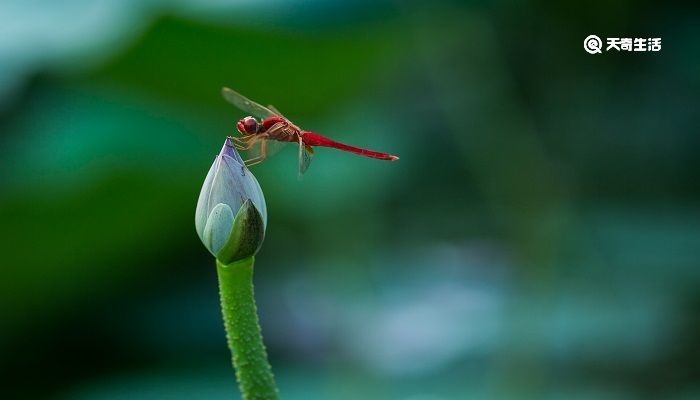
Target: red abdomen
313,139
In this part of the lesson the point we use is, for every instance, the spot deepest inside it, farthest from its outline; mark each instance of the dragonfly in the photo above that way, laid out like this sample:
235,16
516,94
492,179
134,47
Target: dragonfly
273,126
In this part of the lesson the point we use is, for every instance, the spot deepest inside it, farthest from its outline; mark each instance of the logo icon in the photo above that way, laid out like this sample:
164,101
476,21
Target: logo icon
592,44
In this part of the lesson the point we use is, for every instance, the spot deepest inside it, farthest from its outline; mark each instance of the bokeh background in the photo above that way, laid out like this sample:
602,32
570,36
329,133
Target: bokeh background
538,239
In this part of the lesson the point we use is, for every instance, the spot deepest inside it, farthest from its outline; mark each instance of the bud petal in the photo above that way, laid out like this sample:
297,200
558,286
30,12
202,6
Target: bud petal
246,237
218,228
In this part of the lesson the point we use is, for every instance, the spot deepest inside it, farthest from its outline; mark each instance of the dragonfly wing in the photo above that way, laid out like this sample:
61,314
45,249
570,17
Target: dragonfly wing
246,105
306,154
276,111
272,147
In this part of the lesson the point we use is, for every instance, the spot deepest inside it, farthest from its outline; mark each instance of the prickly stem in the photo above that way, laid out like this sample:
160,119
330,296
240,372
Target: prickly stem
243,333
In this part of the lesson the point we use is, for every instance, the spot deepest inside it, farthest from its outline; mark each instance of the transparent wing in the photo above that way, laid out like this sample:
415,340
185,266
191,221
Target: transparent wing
246,105
272,147
306,154
276,111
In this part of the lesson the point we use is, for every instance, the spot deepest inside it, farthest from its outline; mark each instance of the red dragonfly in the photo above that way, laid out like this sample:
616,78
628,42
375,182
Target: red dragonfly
274,126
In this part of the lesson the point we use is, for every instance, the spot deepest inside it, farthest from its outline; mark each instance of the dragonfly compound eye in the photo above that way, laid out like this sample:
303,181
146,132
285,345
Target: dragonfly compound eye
250,125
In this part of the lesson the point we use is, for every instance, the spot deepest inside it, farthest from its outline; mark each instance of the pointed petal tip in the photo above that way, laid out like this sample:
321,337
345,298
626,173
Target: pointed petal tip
229,149
228,143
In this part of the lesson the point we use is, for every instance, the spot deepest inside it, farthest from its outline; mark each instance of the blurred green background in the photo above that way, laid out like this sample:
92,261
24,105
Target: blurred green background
538,239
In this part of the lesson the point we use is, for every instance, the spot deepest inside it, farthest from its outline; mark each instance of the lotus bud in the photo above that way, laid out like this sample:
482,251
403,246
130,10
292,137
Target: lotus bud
231,214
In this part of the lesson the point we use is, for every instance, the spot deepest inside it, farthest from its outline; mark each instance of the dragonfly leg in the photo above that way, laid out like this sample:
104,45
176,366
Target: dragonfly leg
246,143
238,143
255,140
249,146
240,139
260,158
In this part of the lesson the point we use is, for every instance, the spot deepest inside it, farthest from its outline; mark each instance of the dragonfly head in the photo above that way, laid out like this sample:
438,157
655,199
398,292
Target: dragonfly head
248,125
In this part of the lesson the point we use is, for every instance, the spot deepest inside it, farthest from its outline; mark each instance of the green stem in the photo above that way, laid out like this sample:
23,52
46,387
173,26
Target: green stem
248,354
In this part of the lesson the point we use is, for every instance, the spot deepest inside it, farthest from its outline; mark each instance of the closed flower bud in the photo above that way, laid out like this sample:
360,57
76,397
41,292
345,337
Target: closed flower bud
231,214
